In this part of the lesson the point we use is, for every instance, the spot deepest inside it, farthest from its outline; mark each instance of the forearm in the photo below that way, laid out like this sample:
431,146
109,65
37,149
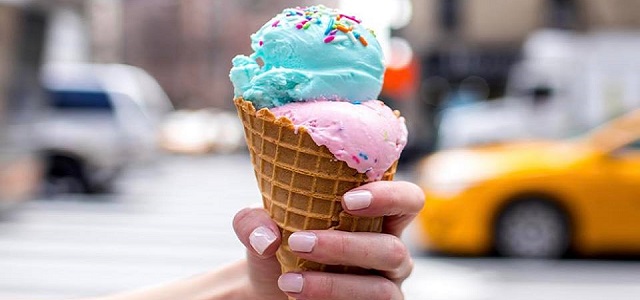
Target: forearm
228,283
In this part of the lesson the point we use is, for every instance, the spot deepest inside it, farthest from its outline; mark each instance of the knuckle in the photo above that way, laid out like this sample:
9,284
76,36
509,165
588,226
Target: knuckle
344,243
398,253
332,286
242,221
399,275
420,197
415,196
387,191
395,198
326,283
320,287
387,290
411,265
240,216
402,196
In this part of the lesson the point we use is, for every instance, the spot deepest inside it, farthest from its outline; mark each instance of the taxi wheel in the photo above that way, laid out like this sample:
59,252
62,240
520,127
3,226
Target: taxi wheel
532,229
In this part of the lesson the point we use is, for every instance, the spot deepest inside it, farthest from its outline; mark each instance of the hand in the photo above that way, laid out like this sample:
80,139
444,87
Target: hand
398,201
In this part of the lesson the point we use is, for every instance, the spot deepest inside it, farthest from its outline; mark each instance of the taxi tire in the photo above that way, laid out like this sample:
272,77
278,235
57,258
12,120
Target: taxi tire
532,228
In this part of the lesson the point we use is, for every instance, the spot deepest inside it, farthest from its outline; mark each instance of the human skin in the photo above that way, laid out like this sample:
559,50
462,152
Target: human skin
259,275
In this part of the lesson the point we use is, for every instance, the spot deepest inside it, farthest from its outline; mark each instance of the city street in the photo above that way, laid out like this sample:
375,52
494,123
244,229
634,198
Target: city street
172,219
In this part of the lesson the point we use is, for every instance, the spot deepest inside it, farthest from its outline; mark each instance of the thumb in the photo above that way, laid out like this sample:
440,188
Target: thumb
261,236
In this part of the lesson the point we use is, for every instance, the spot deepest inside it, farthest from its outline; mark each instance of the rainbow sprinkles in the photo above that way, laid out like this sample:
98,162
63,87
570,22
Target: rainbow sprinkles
340,27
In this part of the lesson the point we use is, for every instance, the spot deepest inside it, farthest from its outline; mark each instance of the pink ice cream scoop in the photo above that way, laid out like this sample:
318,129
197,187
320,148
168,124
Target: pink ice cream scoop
368,136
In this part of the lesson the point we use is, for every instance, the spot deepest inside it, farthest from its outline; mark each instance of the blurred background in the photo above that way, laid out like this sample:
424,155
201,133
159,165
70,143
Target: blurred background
122,162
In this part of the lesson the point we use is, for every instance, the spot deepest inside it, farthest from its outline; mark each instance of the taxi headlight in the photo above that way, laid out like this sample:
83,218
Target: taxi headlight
451,175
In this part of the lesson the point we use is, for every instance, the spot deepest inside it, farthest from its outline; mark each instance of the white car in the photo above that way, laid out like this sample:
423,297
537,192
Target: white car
565,84
100,119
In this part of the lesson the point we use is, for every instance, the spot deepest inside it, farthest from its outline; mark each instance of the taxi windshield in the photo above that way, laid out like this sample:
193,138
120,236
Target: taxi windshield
615,133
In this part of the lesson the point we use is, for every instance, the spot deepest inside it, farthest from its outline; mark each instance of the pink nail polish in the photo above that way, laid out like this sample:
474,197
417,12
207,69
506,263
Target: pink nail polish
302,241
291,282
356,200
261,238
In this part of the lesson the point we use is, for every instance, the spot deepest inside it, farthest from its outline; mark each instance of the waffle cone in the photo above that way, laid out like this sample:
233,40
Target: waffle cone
301,183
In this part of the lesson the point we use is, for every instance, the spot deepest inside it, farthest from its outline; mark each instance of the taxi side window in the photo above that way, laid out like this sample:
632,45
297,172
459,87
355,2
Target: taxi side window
630,149
633,146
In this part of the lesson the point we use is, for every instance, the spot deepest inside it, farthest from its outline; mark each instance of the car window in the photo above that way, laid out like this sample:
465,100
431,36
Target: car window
82,100
630,150
635,146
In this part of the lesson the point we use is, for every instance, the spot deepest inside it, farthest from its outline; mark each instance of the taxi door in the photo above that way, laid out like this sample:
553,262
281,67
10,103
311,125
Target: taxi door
622,206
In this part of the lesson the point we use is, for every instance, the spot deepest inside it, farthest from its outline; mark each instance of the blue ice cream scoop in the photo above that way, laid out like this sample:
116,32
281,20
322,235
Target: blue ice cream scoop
309,53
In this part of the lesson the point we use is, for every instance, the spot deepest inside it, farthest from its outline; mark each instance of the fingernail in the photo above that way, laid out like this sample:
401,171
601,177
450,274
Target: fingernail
291,282
261,238
355,200
302,241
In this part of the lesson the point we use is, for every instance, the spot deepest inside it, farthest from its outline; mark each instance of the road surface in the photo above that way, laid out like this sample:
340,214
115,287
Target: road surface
173,219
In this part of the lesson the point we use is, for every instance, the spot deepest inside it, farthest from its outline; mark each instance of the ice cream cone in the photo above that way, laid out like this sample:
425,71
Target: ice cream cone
301,183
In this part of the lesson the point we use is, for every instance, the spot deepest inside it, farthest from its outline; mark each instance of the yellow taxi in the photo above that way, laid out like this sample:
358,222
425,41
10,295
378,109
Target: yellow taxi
536,198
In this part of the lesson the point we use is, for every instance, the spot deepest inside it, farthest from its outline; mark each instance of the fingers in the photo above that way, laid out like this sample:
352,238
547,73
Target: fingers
384,198
399,200
257,232
321,286
332,247
262,238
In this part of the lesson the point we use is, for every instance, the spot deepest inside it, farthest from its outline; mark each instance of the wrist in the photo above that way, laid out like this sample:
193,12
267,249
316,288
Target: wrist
229,283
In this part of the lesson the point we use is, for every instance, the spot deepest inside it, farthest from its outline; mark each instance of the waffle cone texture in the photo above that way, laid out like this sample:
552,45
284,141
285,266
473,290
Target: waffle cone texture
301,184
